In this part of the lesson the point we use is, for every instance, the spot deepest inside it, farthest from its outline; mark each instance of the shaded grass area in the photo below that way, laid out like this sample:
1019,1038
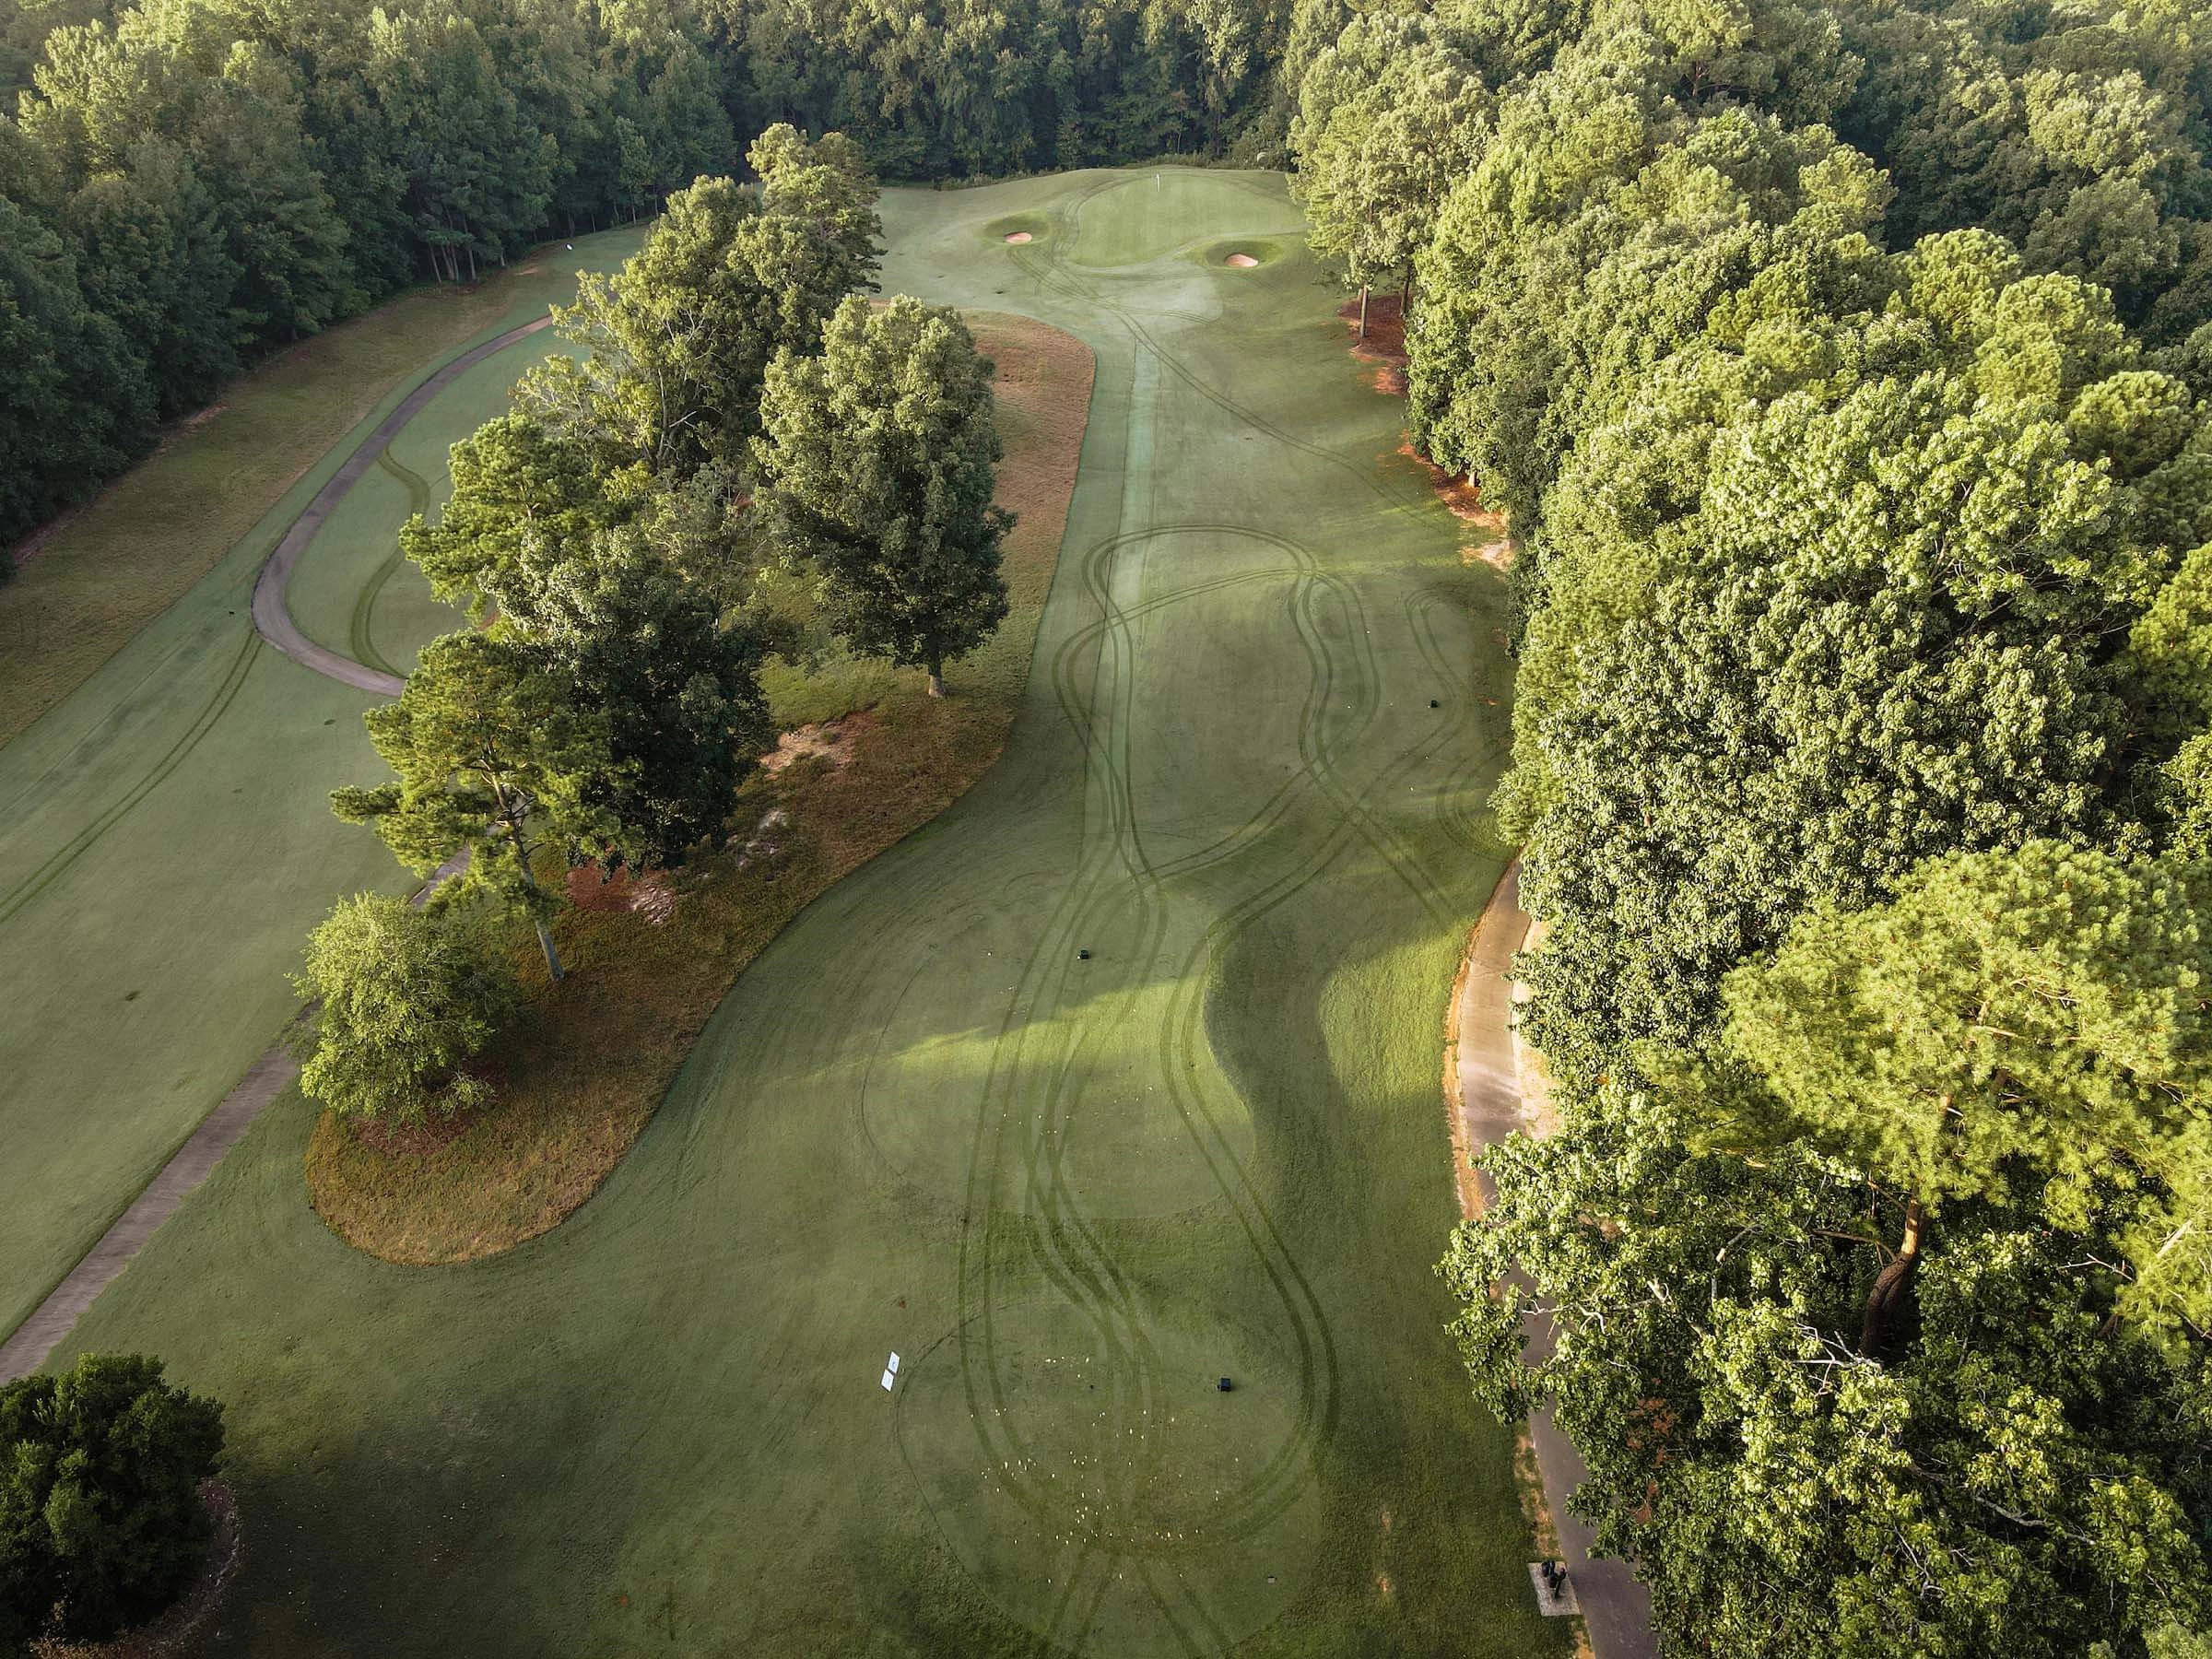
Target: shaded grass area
166,838
106,569
1248,777
583,1070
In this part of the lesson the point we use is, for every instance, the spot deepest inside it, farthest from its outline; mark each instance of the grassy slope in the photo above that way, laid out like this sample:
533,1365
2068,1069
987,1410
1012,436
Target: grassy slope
1069,1193
583,1071
165,832
105,571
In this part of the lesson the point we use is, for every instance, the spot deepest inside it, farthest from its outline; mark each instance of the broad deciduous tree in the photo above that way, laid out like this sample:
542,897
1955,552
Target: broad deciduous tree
102,1524
404,997
879,459
496,760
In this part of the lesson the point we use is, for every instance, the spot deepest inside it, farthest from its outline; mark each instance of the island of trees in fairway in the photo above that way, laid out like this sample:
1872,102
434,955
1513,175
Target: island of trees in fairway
1844,372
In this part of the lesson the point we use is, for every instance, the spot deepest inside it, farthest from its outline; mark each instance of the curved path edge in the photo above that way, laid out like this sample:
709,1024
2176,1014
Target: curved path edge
272,609
1617,1610
28,1346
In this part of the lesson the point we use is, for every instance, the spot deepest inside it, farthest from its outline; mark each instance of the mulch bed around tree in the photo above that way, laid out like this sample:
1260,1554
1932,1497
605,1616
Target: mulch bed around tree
179,1631
581,1071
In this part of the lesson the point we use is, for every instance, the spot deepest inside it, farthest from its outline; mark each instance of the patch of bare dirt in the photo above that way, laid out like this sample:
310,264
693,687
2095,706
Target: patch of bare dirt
1461,497
178,1631
651,895
829,740
1385,343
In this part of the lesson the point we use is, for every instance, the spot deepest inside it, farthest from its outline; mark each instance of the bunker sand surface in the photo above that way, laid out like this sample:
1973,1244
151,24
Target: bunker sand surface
1070,1191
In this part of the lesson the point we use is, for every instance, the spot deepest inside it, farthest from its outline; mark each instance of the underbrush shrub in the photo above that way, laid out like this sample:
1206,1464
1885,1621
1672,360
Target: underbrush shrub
102,1525
408,996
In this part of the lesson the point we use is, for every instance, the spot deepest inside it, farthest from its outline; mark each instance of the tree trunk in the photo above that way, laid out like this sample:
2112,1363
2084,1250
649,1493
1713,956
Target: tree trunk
1892,1285
936,677
545,942
1364,310
544,934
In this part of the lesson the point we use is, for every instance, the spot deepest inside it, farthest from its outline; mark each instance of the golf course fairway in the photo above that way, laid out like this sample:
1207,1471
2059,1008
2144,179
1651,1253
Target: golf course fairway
166,839
1119,1078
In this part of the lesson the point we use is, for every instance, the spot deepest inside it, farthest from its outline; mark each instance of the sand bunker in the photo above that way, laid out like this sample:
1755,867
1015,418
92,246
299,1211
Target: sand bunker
1017,236
1243,261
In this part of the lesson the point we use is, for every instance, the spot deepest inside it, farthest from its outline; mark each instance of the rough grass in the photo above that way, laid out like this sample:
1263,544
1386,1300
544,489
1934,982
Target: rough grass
166,838
102,572
583,1069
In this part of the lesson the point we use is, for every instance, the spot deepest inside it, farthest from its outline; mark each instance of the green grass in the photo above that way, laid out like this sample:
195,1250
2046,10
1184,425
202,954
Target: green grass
581,1069
1069,1193
166,838
104,572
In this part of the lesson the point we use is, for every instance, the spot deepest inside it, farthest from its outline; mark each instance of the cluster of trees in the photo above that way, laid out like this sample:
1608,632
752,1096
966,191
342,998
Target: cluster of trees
737,404
189,183
103,1523
186,185
1846,376
937,89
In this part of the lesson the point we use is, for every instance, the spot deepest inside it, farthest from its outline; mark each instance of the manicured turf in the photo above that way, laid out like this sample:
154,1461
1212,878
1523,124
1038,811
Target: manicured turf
357,594
166,838
1070,1192
585,1065
117,567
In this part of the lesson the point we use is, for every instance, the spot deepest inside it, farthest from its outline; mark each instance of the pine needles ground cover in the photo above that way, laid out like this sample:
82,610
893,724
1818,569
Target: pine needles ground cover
1070,1189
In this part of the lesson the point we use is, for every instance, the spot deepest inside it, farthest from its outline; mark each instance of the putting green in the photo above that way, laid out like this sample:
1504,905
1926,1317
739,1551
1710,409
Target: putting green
1070,1191
166,842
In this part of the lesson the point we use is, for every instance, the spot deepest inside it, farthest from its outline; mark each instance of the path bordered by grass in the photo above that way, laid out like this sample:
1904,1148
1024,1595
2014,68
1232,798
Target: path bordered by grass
581,1073
1070,1192
110,569
166,838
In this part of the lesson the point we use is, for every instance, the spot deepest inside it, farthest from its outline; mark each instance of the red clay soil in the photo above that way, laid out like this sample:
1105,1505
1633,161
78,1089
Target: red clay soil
1385,343
1384,347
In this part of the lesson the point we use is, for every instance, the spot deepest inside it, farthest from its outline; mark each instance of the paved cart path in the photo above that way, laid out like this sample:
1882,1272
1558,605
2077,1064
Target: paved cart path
272,613
1617,1610
28,1346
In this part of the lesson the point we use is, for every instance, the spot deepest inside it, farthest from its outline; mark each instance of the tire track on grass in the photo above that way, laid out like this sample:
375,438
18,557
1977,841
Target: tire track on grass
272,611
361,635
27,1347
1077,1263
1096,1285
1051,270
276,627
70,851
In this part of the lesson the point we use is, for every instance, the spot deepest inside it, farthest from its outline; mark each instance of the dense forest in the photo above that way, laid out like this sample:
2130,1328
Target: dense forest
1845,376
188,185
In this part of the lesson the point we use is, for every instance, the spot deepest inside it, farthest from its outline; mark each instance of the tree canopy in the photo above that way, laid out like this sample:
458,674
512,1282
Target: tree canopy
879,459
188,185
102,1522
1843,377
404,998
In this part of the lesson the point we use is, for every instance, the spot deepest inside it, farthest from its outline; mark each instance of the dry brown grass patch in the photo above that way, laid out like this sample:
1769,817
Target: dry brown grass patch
583,1070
